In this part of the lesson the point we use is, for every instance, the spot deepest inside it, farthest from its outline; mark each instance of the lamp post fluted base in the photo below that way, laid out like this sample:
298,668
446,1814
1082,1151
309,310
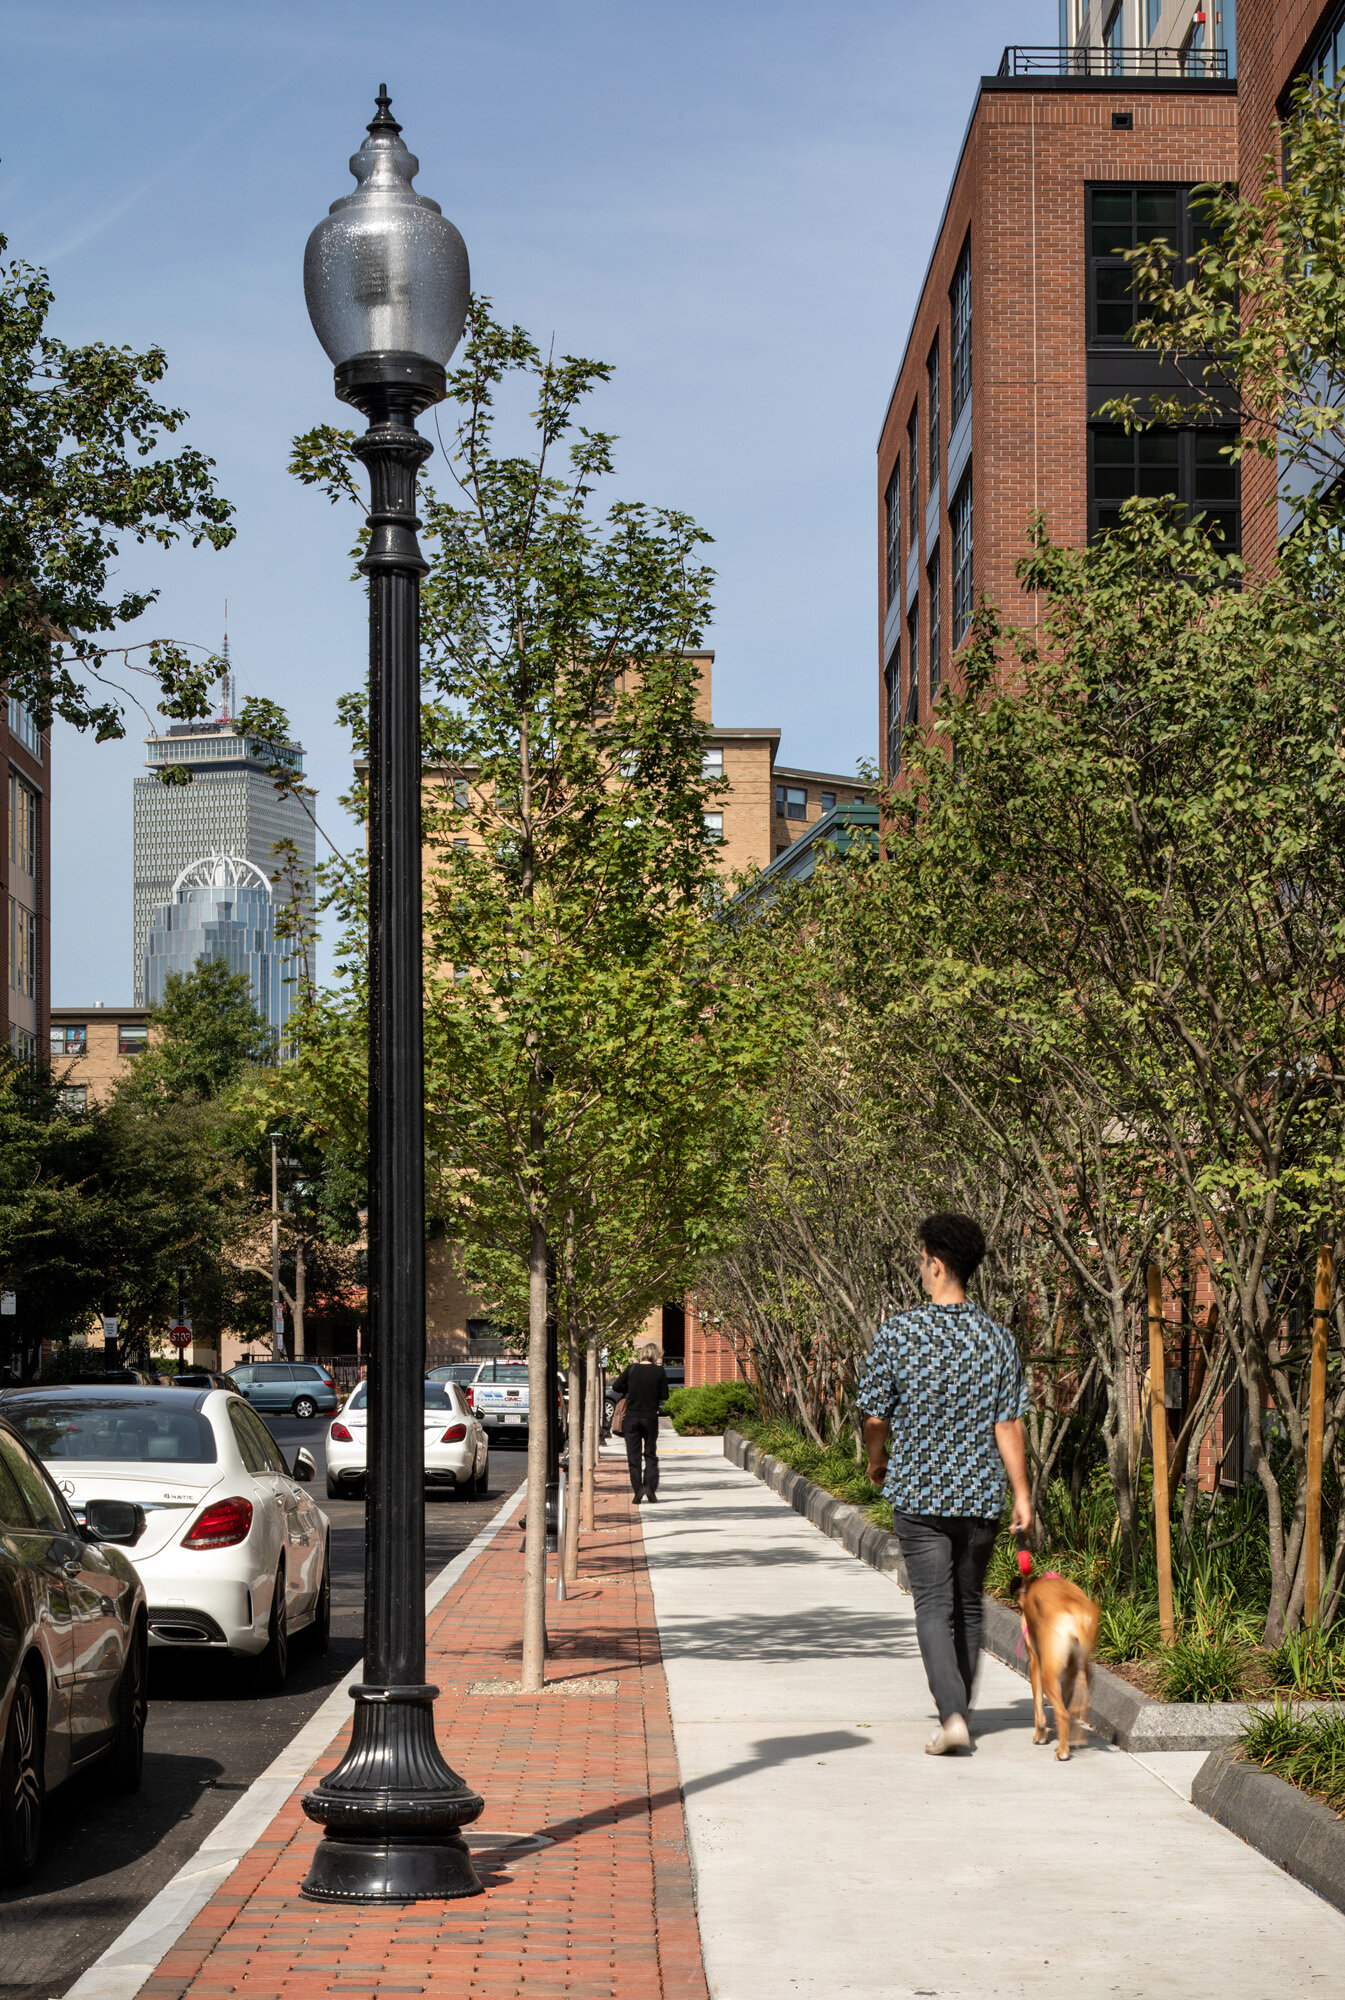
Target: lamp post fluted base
392,1811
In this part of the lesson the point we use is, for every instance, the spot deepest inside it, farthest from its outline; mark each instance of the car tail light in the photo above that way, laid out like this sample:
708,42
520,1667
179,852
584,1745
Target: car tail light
220,1526
454,1434
341,1434
330,1381
470,1395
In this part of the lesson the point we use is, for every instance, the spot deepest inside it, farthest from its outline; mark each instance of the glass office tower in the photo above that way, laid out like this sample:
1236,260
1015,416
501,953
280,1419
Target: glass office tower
231,807
221,907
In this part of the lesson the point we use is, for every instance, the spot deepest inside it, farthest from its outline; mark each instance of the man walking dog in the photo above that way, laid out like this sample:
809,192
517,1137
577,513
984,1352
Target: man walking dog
943,1398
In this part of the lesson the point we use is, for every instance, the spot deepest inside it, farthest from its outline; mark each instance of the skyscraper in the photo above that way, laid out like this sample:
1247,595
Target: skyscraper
221,907
231,807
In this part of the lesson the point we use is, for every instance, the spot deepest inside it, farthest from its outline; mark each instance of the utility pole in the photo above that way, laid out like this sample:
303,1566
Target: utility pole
277,1316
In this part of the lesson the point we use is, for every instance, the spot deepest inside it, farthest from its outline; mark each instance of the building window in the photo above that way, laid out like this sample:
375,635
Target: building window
1185,466
23,1044
133,1036
1119,220
892,693
1112,37
712,764
913,477
23,729
1152,10
714,827
913,665
893,505
74,1097
959,387
935,626
22,825
960,522
828,802
1327,60
22,950
462,797
932,371
791,802
69,1042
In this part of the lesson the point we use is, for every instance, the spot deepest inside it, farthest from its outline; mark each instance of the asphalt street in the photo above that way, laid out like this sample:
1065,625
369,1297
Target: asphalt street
208,1738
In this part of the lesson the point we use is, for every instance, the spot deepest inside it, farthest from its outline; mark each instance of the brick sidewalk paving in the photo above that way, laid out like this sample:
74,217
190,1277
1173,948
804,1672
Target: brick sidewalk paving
605,1913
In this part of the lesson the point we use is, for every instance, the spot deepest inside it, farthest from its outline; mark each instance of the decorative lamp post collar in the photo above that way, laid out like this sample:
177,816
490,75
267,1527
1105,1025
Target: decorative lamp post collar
386,279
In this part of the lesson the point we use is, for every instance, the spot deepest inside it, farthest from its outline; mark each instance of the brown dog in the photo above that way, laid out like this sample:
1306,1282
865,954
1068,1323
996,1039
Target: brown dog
1060,1625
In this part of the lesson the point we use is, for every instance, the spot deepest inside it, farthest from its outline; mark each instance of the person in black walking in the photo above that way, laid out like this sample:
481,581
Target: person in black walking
645,1388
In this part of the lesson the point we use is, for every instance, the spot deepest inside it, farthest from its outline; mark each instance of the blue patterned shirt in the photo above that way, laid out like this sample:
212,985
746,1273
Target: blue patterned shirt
943,1377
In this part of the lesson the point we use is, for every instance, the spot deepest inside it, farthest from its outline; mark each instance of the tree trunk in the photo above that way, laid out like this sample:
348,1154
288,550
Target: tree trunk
539,1389
575,1476
592,1431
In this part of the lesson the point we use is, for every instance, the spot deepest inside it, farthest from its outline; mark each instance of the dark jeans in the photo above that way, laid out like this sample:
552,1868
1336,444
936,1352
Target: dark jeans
642,1432
946,1557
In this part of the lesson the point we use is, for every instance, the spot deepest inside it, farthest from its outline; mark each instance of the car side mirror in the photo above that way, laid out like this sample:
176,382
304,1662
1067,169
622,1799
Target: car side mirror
120,1521
305,1465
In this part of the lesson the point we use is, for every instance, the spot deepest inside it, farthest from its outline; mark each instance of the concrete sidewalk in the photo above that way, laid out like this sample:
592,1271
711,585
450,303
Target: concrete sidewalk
834,1859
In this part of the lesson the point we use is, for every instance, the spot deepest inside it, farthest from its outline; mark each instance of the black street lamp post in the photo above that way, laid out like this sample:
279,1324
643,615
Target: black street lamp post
385,276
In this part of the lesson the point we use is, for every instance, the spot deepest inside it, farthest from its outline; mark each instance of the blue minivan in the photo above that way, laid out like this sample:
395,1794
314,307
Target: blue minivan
301,1387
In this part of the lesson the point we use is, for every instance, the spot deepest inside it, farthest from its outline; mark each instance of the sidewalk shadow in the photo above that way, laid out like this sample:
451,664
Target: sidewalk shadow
834,1635
769,1752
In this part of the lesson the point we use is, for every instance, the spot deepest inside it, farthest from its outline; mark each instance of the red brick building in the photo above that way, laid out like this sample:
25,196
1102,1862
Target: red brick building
1020,333
1279,41
25,881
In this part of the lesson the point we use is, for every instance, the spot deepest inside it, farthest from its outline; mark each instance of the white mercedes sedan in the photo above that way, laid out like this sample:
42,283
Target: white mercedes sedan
234,1554
457,1450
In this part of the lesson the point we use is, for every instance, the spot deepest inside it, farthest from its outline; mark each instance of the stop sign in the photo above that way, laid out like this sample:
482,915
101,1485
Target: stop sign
180,1335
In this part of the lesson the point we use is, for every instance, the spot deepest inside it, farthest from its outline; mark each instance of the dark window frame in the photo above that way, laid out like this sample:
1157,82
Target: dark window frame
1109,277
959,346
932,404
934,578
1177,475
892,696
912,710
913,474
961,525
892,528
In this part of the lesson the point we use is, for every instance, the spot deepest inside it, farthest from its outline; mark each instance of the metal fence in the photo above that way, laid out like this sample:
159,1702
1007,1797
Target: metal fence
1197,64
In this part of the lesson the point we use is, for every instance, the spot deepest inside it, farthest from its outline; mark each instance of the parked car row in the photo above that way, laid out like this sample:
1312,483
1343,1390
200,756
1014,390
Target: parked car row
134,1518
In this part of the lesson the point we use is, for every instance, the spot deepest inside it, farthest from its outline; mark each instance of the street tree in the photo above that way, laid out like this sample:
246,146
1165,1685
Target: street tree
85,471
573,1011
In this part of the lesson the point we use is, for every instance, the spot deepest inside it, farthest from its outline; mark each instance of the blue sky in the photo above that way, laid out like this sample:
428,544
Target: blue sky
731,201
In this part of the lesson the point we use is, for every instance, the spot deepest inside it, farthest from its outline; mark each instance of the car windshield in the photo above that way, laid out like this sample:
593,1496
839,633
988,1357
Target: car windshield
505,1371
438,1396
130,1429
457,1371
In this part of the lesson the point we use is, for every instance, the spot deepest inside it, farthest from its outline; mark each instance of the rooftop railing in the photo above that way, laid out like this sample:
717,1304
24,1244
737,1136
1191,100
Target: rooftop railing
1198,64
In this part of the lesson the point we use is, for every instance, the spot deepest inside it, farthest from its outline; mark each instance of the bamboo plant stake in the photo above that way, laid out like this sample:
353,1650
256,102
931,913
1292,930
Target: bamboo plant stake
1312,1531
1158,1425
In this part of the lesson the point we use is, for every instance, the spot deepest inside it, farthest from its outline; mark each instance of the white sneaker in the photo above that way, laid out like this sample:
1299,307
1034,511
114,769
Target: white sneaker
948,1737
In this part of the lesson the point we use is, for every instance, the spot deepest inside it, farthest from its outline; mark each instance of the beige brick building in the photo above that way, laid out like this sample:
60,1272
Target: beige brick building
93,1047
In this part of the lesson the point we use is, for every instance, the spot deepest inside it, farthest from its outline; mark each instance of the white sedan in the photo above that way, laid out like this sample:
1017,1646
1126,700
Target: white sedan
234,1555
457,1450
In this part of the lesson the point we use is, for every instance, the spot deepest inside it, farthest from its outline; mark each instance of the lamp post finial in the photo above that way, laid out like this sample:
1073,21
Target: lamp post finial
383,120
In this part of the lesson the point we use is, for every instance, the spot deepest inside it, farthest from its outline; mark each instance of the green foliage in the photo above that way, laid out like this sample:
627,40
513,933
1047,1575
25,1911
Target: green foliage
834,1465
1128,1628
1202,1666
1311,1662
204,1034
81,444
586,1052
712,1409
1305,1749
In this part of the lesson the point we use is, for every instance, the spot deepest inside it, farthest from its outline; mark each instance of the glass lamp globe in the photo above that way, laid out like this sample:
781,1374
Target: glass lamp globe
386,276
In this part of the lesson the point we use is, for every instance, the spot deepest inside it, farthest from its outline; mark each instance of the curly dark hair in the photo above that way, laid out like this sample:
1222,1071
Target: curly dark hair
958,1241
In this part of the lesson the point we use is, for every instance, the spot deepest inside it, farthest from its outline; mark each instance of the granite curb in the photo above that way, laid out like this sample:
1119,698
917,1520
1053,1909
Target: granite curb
1120,1713
1296,1832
